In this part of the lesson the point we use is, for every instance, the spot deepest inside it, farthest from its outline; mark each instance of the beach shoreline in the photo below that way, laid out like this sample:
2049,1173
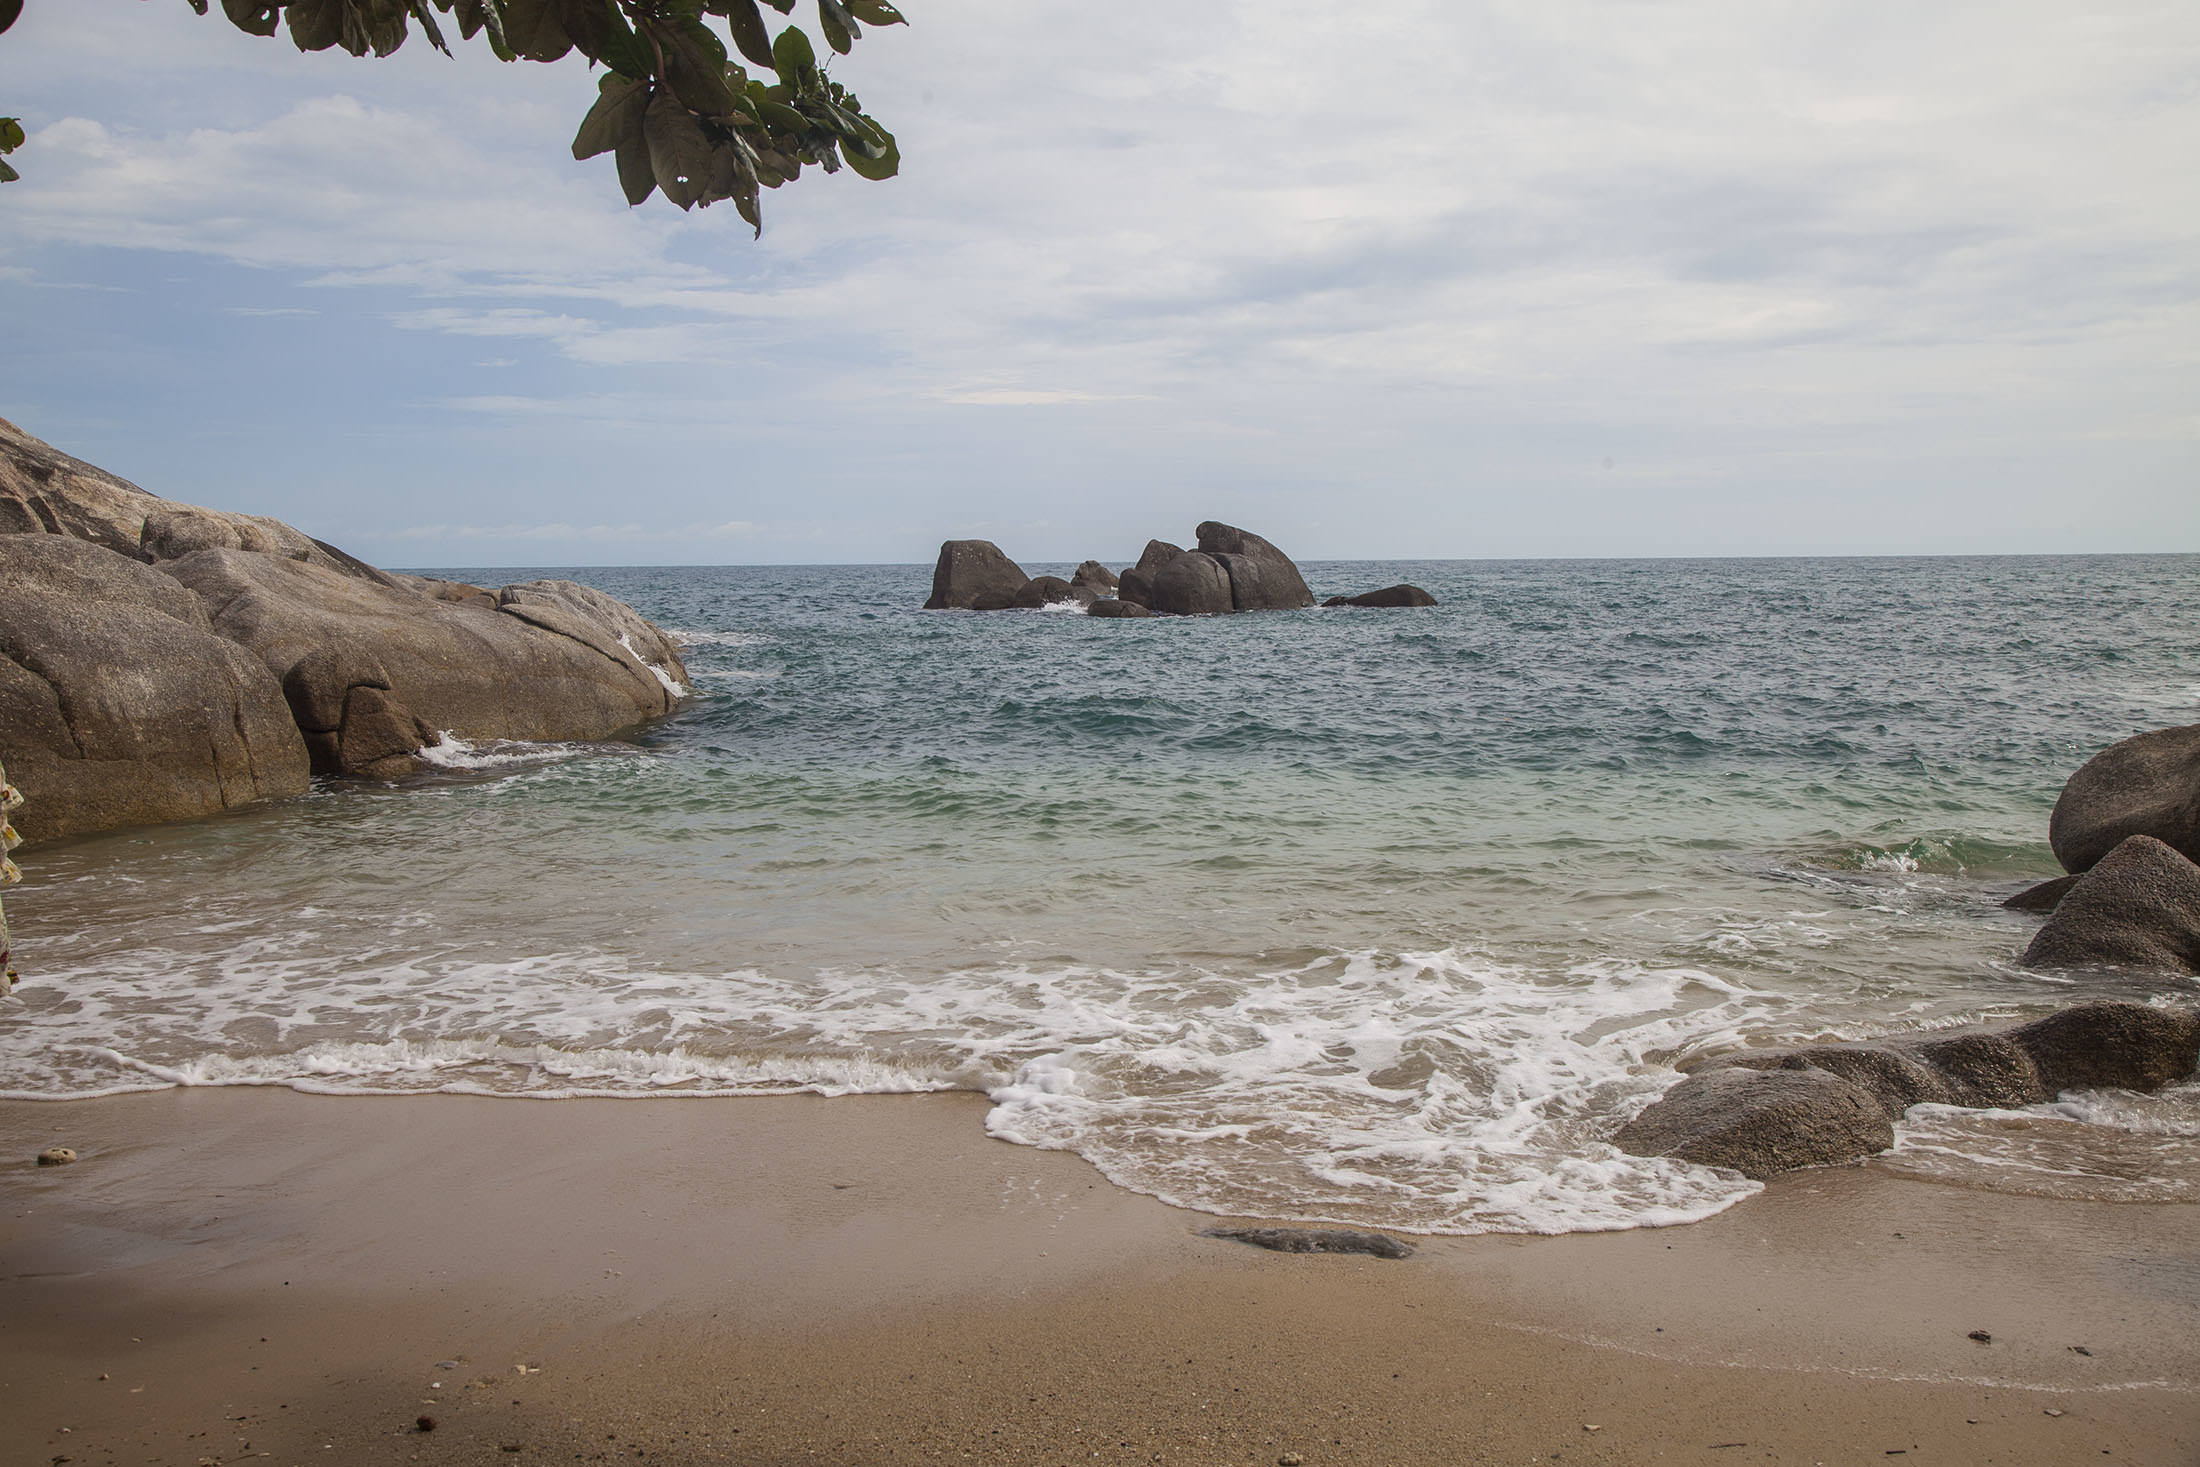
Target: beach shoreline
260,1274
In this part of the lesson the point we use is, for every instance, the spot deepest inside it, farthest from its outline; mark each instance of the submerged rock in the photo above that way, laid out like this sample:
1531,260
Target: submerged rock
2145,785
1767,1111
2138,907
1390,596
2043,897
1316,1240
970,571
1117,609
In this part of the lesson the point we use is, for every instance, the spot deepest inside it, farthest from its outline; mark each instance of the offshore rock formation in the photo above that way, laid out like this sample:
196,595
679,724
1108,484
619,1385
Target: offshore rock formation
1768,1111
159,661
1232,570
1390,597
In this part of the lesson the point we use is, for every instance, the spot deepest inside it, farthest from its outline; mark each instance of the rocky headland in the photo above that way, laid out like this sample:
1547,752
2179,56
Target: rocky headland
1230,570
160,661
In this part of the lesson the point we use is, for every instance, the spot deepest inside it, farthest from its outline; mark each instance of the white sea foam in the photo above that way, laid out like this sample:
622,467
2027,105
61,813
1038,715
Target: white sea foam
449,751
671,684
2113,1145
687,638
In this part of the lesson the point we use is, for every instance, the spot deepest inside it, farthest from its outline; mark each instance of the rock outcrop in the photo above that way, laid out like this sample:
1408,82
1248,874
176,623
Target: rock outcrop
119,703
163,661
2146,785
2138,907
970,572
1095,578
1116,609
1048,591
1262,578
2044,897
1192,585
1768,1111
1400,595
1136,583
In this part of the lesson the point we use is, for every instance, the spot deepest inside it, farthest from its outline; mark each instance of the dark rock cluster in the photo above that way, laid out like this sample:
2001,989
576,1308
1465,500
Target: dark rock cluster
1231,570
2127,829
1767,1111
159,661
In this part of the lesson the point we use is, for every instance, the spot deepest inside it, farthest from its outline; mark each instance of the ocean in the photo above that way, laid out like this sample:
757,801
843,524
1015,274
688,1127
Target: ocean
1387,918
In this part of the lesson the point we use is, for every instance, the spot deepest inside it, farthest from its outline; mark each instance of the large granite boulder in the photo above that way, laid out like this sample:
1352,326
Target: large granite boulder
1766,1111
119,704
1042,591
176,660
1262,578
1096,579
972,571
1136,583
2137,907
1389,597
44,491
2146,785
374,673
1192,585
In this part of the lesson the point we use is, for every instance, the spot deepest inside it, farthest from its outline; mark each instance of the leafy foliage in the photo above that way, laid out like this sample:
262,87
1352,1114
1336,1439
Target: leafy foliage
675,109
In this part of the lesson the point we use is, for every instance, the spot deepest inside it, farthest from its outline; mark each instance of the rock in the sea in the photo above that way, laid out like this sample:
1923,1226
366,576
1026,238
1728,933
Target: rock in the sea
971,571
1047,591
1760,1121
1096,578
374,672
1117,609
2146,785
120,704
2044,897
1262,578
1192,585
1316,1240
56,1156
1136,583
177,660
1390,596
2137,907
1766,1111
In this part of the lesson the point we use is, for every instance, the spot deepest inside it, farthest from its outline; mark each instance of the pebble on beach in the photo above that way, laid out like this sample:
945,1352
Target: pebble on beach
56,1156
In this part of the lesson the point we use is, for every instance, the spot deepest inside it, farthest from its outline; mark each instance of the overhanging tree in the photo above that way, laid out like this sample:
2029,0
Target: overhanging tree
675,109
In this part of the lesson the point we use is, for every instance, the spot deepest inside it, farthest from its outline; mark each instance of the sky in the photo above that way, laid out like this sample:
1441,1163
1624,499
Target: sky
1381,280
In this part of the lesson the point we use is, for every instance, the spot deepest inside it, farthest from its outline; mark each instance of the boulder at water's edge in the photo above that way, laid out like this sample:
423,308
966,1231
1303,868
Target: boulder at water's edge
972,571
2145,785
2137,907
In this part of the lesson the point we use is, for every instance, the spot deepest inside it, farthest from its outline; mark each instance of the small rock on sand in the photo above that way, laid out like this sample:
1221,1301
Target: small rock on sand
1316,1240
56,1156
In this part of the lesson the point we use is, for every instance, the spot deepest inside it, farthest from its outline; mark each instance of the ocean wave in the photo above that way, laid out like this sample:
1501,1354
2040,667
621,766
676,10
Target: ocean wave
449,751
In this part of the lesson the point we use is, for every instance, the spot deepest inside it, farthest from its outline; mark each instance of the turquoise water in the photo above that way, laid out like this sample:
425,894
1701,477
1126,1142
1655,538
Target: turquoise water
1385,917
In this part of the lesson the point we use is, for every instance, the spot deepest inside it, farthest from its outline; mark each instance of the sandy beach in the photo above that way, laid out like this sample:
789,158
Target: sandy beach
233,1275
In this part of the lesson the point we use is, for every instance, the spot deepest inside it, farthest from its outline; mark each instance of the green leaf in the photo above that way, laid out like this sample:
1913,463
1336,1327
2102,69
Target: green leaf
624,51
679,154
532,30
315,25
884,166
428,27
7,174
747,24
792,55
253,17
839,26
197,5
695,66
620,103
876,12
10,9
11,134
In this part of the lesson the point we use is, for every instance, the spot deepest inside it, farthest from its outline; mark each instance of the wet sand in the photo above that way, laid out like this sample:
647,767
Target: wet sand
240,1275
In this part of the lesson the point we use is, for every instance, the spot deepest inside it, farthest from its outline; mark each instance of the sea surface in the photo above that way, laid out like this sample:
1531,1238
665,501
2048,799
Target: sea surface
1380,917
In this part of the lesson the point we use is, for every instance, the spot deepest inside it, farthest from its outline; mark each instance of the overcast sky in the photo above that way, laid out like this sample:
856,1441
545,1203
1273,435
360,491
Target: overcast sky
1382,279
